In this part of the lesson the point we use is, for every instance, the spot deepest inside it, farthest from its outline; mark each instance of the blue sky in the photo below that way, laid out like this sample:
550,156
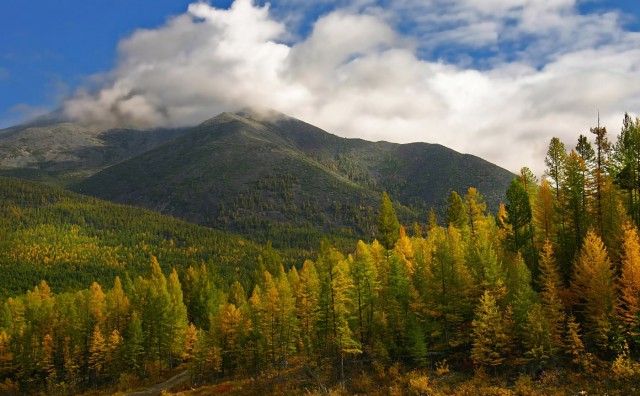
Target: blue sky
474,75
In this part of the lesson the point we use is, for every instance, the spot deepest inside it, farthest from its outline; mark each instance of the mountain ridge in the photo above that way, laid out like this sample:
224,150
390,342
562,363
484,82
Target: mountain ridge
252,174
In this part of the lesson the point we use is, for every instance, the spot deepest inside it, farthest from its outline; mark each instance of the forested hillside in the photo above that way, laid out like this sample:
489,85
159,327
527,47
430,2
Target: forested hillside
280,179
540,298
72,240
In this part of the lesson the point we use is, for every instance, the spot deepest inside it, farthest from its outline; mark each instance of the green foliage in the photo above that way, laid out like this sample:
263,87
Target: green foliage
387,221
465,292
71,240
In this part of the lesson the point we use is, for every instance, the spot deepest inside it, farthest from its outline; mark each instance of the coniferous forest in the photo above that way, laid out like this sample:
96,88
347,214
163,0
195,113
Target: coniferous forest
541,297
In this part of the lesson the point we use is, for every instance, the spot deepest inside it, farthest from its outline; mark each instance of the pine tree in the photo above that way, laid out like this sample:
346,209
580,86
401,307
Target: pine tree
456,212
518,215
388,225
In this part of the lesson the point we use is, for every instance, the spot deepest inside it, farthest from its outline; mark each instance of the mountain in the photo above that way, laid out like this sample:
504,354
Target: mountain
72,240
59,152
272,176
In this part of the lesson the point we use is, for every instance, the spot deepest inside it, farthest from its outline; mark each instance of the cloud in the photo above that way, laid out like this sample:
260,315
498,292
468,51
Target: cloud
544,70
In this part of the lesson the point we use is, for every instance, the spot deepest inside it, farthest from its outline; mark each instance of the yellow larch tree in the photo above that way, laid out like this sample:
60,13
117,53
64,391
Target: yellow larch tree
594,285
629,281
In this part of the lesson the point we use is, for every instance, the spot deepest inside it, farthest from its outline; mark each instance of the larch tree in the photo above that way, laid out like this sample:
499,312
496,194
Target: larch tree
477,208
602,159
594,284
588,156
576,214
231,326
573,345
289,329
544,214
529,181
629,282
307,296
452,284
97,354
118,307
555,162
550,284
177,318
492,337
626,161
335,303
364,275
154,303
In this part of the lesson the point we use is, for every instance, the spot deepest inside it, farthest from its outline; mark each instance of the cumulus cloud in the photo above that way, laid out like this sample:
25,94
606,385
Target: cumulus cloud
359,73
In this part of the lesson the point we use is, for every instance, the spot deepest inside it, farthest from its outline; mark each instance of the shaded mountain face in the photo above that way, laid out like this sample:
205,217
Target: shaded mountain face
267,175
55,152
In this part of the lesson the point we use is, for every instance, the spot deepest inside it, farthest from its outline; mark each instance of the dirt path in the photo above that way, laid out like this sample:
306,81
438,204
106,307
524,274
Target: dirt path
167,385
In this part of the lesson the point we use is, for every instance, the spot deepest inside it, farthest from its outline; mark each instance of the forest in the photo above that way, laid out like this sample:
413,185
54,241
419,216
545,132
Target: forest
542,297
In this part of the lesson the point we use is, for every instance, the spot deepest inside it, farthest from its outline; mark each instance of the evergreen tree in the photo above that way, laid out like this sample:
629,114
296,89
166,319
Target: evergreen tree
519,219
364,275
456,212
388,225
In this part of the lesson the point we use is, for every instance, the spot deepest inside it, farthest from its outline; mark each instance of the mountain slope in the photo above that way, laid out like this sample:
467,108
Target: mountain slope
72,240
261,175
54,152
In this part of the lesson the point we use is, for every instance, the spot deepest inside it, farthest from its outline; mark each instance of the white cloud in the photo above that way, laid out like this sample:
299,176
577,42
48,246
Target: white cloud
355,74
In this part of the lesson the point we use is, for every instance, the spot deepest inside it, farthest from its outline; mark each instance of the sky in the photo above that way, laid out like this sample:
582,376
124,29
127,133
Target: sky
493,78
